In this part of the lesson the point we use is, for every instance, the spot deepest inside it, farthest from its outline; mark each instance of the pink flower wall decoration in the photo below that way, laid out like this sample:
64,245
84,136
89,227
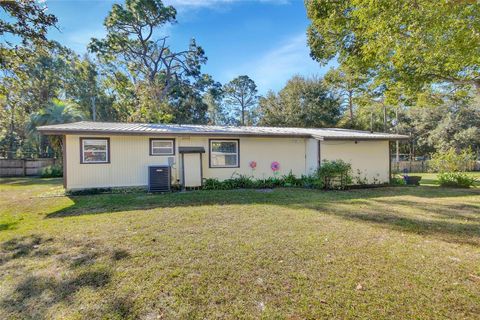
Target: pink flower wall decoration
275,166
253,164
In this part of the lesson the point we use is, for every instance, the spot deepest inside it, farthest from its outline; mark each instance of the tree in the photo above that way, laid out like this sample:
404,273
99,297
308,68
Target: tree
87,88
303,102
152,65
28,19
55,113
414,43
187,102
347,86
444,121
272,110
213,98
32,79
241,94
123,95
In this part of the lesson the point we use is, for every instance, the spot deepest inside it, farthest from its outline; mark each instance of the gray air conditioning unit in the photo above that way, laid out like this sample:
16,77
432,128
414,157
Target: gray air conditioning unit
159,178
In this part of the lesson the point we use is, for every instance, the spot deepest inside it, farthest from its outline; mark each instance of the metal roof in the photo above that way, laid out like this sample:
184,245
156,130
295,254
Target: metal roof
87,127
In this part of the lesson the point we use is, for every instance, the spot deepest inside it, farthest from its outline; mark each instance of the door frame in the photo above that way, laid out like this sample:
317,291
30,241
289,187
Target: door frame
200,152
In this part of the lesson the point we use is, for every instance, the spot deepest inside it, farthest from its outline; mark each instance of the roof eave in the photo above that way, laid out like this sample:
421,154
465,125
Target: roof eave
385,138
46,130
50,132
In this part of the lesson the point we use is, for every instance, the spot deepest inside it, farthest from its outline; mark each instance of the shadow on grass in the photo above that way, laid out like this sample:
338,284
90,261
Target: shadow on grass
33,295
109,203
446,230
45,291
457,211
22,247
8,225
453,222
29,181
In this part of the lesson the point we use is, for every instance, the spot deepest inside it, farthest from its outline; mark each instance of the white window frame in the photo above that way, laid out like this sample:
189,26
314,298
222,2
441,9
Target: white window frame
82,149
172,141
237,154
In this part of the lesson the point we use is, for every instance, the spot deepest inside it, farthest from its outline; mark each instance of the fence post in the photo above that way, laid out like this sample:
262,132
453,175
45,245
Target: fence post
24,167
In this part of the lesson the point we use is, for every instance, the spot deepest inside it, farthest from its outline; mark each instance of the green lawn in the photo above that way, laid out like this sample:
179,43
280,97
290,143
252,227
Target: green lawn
385,253
430,179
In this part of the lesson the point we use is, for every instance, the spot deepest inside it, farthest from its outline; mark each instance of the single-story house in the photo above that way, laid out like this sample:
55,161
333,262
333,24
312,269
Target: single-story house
101,154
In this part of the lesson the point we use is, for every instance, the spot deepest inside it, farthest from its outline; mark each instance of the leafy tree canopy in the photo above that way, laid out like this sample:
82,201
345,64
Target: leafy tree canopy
241,94
403,44
303,102
28,20
132,41
348,86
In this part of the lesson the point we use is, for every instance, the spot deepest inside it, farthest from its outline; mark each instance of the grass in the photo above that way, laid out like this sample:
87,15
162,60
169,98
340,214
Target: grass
403,253
430,179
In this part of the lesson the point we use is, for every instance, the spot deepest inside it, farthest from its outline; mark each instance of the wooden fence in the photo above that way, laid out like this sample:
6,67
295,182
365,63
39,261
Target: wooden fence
24,167
419,166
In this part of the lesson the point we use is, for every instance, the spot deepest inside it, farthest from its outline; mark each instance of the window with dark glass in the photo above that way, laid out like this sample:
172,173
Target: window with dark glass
162,147
224,153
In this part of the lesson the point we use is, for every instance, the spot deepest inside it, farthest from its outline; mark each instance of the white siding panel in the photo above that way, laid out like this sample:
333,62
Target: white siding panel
311,156
369,159
129,159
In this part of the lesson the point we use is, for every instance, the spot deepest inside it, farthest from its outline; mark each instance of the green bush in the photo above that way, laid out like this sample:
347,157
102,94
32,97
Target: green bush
451,166
290,180
332,175
336,174
54,171
455,179
453,161
398,181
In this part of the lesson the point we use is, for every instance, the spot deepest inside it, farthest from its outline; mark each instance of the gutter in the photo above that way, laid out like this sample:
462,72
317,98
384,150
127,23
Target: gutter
147,133
388,137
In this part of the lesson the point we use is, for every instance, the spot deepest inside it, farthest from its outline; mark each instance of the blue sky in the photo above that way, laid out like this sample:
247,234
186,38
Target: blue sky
264,39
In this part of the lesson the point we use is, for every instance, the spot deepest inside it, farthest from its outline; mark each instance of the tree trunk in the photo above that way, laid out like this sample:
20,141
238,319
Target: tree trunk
94,109
242,106
477,86
397,143
243,115
384,118
350,106
371,121
12,129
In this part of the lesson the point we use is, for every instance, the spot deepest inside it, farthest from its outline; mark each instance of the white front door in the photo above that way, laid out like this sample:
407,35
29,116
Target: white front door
192,169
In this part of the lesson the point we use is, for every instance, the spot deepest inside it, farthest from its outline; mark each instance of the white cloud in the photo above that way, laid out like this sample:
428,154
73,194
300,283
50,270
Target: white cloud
79,39
272,69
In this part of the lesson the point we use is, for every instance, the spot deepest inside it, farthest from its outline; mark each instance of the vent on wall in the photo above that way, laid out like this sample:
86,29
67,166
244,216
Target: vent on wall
159,178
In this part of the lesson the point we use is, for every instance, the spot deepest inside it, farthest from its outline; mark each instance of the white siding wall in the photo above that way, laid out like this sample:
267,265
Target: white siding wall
369,159
311,156
129,159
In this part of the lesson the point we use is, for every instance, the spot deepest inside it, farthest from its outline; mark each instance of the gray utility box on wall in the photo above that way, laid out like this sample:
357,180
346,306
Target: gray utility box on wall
159,178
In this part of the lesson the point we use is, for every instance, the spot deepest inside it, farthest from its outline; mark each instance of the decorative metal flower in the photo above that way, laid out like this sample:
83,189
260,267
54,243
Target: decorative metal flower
275,166
253,164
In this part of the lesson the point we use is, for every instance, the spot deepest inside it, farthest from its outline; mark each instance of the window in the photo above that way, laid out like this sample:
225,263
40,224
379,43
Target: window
224,154
95,150
162,147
